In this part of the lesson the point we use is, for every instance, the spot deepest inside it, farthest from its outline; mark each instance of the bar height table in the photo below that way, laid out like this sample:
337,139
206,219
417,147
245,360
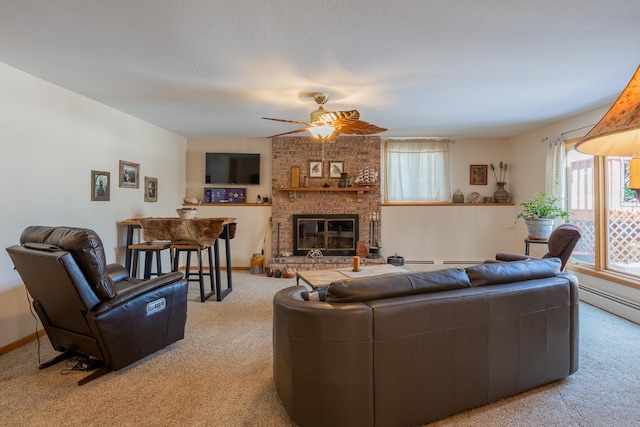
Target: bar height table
228,232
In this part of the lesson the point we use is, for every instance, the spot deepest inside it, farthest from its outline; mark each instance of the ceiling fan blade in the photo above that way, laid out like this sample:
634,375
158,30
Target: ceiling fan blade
288,121
360,128
290,132
344,117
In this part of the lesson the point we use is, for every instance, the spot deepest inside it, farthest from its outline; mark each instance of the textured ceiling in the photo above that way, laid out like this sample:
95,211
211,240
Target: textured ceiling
457,68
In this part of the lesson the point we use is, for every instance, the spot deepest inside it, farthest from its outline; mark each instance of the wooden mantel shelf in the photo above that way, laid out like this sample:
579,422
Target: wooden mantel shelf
358,190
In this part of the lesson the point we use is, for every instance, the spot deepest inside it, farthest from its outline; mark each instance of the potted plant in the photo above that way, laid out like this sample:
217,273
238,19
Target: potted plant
539,214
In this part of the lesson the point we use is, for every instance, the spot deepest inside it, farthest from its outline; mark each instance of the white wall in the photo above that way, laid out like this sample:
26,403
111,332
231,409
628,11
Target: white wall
529,154
456,233
52,138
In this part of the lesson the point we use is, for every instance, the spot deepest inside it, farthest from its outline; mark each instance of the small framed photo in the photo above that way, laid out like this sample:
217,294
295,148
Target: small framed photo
150,189
315,168
478,175
129,174
335,169
100,186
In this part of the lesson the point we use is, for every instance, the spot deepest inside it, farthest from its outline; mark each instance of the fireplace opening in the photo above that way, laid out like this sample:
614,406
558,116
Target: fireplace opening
334,235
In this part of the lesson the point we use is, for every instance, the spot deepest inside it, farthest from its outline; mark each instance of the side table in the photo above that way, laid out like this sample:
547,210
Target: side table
528,241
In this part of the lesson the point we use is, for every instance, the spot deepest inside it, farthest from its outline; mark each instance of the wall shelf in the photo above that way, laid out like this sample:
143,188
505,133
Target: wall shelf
448,204
328,189
226,204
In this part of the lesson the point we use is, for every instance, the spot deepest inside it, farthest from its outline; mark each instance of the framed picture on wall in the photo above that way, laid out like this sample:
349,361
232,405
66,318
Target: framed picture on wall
100,186
150,189
315,168
129,174
335,169
478,175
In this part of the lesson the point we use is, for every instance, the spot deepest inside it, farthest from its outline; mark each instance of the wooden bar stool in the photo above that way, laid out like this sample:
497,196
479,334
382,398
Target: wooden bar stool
150,249
189,248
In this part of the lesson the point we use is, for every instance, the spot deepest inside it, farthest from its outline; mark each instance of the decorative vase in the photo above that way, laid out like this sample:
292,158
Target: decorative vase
501,195
343,180
458,197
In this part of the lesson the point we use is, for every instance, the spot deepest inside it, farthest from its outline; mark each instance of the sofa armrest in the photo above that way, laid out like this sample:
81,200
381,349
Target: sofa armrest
131,293
505,256
116,272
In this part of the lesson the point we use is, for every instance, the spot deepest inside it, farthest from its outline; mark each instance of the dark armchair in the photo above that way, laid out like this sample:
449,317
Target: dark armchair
93,309
562,241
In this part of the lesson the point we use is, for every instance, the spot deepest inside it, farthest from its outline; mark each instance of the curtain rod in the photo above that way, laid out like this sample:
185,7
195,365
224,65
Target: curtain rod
573,130
453,141
546,138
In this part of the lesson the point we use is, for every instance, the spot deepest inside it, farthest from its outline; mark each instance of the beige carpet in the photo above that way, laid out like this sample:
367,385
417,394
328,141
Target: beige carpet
221,375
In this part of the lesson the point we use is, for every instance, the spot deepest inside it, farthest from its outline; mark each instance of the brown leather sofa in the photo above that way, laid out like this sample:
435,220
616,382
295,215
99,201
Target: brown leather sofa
92,308
408,349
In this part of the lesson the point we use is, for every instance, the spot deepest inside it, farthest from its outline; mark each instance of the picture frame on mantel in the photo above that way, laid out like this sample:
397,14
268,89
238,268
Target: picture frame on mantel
315,168
478,174
129,174
100,186
335,169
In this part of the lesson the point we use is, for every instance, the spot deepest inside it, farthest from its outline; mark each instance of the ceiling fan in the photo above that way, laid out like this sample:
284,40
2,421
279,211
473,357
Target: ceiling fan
326,125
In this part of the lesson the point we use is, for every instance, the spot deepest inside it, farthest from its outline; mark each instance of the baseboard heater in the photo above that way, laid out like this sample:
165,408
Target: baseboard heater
610,297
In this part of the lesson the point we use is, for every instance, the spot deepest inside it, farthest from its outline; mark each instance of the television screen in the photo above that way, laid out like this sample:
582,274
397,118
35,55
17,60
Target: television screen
232,168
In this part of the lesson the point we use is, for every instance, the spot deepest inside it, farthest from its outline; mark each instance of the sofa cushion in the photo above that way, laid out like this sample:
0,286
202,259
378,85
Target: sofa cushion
517,271
86,248
395,285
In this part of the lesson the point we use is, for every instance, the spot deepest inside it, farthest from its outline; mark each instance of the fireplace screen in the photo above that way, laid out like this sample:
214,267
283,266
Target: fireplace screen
332,234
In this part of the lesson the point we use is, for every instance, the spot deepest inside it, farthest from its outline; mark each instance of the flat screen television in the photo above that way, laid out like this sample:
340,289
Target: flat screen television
232,168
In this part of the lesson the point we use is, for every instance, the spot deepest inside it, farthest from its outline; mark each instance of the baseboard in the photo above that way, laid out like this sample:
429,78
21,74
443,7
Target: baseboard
620,307
22,341
206,268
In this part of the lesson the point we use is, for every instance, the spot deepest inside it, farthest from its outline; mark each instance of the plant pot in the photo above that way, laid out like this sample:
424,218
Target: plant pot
539,229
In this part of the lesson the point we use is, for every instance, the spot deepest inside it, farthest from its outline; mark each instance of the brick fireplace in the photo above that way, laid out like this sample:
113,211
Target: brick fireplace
356,153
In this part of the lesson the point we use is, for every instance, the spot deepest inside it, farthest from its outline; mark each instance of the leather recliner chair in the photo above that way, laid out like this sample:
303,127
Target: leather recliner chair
562,241
92,308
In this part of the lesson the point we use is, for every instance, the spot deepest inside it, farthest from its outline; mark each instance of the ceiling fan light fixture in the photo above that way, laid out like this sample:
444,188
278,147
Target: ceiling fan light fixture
327,125
315,114
321,132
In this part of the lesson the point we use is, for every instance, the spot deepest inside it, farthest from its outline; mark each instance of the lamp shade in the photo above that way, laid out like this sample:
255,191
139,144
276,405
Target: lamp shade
618,132
322,132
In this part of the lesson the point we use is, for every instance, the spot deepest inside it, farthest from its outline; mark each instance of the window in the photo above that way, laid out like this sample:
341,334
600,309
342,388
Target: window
599,188
623,212
416,171
581,204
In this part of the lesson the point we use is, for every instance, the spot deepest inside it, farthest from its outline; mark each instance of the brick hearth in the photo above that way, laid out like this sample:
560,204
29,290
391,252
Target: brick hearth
308,263
357,152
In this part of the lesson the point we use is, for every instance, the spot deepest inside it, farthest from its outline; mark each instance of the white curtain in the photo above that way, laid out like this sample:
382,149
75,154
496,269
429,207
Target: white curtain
417,170
555,169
